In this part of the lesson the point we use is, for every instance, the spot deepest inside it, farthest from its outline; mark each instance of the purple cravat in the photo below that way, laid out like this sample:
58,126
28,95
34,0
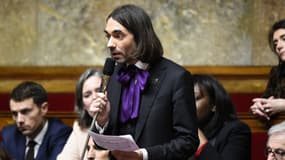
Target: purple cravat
133,81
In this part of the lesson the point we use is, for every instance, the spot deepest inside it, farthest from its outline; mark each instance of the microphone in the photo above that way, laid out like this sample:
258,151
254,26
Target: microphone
107,72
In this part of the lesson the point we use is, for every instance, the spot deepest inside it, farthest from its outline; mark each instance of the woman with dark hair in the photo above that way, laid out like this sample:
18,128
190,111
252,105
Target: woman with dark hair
222,135
87,89
272,101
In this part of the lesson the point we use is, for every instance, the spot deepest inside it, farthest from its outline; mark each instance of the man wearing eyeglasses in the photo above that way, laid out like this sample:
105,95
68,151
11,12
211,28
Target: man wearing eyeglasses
275,149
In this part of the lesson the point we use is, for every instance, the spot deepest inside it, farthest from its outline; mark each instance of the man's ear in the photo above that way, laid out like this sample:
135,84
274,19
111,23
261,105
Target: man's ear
44,107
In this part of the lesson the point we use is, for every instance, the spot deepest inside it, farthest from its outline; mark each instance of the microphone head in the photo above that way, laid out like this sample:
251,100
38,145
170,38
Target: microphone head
109,66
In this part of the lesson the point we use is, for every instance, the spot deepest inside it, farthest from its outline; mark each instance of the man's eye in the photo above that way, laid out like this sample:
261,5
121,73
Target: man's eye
107,36
26,111
14,114
119,36
280,152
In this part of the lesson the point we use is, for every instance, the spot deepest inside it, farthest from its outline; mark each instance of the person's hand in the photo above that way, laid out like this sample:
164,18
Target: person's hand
258,109
273,106
101,106
122,155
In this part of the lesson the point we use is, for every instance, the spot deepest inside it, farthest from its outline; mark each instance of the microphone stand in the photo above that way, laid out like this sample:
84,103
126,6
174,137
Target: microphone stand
88,136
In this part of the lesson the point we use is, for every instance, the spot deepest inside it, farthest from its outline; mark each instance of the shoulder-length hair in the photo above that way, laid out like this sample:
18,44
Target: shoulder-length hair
277,25
281,64
85,119
225,110
137,22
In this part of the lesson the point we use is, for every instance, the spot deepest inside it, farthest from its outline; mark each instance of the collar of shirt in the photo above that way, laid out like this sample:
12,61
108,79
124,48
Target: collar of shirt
141,65
39,138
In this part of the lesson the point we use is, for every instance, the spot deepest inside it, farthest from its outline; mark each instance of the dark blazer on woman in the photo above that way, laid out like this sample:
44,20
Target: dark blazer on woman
276,82
167,123
55,138
233,141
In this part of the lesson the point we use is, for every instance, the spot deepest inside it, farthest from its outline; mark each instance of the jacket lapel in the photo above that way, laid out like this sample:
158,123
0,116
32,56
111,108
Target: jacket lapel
21,147
114,97
157,75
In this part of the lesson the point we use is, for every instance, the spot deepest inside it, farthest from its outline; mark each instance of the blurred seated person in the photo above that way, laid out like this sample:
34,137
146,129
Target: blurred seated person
33,136
4,155
222,135
273,99
275,147
87,89
93,153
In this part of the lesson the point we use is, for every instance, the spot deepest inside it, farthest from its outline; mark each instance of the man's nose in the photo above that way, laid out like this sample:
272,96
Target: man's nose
20,118
271,156
111,43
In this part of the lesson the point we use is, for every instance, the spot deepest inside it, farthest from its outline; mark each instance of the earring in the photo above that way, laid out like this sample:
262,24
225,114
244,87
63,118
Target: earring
213,109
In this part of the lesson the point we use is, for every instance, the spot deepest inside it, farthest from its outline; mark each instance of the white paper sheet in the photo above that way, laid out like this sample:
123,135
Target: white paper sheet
121,143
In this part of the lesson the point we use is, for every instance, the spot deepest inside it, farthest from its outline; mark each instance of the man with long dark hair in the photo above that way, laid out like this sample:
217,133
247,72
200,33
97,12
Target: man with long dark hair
149,96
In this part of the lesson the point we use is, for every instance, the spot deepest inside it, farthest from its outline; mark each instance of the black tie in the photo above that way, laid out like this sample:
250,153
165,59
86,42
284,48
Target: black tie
31,152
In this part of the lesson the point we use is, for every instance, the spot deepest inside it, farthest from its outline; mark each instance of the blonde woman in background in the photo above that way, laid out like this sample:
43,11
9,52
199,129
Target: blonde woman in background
87,89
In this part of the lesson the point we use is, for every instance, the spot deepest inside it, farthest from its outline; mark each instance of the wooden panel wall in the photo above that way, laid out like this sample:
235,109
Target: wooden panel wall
61,80
242,82
237,79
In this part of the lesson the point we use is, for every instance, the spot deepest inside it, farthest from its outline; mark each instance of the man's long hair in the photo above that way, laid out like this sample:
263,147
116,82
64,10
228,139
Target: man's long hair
137,22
